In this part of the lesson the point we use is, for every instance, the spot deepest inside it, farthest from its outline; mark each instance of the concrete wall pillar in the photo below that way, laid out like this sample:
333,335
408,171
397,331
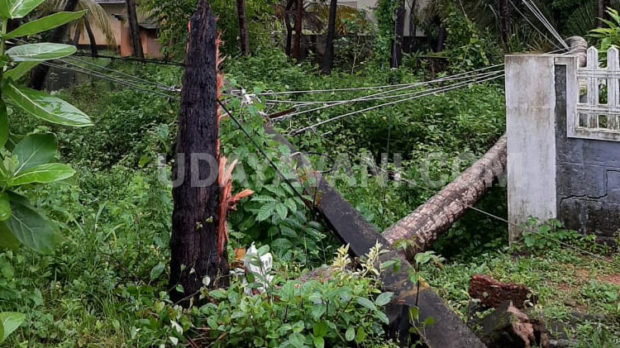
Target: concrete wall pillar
531,119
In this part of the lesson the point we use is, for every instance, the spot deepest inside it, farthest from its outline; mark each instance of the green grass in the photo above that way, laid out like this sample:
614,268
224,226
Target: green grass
564,280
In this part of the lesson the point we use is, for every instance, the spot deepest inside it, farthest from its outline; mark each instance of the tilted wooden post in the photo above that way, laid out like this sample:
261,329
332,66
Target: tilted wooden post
195,219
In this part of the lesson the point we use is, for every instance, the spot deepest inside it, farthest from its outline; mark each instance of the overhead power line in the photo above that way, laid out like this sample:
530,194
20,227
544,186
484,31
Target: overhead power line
440,90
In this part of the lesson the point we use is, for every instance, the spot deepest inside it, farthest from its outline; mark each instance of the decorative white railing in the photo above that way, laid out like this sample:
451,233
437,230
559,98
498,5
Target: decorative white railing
597,113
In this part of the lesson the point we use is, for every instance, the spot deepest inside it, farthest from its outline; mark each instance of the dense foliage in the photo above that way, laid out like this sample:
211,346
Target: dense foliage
105,282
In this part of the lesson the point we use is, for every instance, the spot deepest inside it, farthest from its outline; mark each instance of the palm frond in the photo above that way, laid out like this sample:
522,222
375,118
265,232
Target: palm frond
96,16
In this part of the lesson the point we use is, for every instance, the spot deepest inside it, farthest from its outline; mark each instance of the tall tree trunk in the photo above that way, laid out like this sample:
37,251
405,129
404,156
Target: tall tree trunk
37,78
399,30
298,29
244,39
437,215
602,11
413,25
328,58
505,15
193,244
289,27
441,39
76,36
91,38
134,29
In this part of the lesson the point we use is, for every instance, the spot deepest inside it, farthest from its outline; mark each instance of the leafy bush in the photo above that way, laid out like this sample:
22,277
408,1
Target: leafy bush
330,311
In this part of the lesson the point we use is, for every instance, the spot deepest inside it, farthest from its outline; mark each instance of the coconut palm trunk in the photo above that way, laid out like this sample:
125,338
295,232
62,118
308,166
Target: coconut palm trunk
505,15
328,58
244,37
37,78
431,220
134,29
299,12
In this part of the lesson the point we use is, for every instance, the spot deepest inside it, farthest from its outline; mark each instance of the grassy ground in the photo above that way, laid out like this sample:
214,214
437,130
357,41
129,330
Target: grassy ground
104,284
578,295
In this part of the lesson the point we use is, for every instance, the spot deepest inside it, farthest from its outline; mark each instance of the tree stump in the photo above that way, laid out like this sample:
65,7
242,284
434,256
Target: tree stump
508,327
195,219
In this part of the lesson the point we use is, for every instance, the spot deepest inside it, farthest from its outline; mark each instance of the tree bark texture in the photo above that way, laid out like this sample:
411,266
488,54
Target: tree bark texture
413,25
289,27
299,13
134,29
399,30
435,217
244,37
328,58
193,243
505,16
37,78
91,38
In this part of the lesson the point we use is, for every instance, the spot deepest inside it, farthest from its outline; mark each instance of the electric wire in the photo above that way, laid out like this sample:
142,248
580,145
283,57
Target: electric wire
424,94
262,152
376,95
126,75
532,24
362,88
541,17
137,88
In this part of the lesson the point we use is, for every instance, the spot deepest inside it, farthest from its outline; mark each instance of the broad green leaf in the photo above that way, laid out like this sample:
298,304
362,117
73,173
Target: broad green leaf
384,298
11,9
366,303
5,206
20,70
30,227
7,239
157,271
4,124
350,334
320,329
46,107
44,24
42,174
40,52
10,322
360,336
34,150
319,342
382,317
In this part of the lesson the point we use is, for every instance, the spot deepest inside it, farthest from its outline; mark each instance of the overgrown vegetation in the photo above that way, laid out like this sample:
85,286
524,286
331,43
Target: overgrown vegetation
105,283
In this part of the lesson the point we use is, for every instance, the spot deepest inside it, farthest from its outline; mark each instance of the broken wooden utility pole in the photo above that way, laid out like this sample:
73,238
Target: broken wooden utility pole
195,260
134,29
244,39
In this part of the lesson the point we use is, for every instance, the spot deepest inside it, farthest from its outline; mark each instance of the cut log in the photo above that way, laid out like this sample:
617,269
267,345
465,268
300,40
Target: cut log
427,223
493,293
508,327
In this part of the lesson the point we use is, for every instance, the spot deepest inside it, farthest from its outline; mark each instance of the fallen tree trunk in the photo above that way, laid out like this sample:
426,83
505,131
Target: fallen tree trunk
427,223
